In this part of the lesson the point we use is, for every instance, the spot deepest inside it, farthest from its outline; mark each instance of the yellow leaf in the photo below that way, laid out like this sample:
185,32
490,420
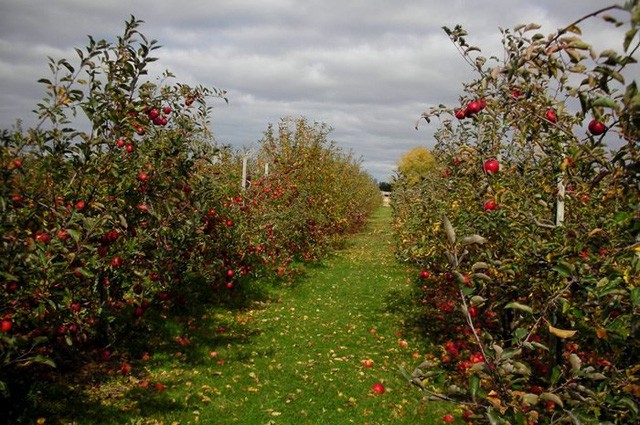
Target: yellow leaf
495,401
595,231
561,333
574,29
632,389
601,333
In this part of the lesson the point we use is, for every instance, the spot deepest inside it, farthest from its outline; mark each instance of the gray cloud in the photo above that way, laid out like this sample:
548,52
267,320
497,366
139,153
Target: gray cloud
368,68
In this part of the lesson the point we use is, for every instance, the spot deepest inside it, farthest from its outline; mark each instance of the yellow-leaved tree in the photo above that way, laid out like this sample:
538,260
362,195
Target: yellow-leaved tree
414,165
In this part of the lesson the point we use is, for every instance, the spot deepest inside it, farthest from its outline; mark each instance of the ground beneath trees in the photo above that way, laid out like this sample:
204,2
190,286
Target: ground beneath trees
294,358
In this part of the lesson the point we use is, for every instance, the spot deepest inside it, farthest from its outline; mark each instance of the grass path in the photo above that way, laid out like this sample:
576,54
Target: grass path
294,360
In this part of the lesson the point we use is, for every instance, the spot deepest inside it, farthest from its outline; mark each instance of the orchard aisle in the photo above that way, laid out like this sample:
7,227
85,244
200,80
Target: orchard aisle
297,357
306,366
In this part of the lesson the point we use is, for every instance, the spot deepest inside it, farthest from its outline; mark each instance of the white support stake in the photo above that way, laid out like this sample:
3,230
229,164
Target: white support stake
560,204
245,160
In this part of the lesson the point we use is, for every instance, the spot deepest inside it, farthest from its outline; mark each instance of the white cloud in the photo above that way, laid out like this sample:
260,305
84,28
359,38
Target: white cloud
366,67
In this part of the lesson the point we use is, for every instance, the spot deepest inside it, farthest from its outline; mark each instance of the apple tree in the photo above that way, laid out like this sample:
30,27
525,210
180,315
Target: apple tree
530,229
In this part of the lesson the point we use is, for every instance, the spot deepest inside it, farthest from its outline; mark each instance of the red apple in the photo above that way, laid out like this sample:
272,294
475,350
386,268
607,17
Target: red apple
491,166
105,354
596,127
367,363
125,368
43,238
120,143
143,177
230,273
425,274
448,418
515,93
378,388
17,199
130,147
550,115
116,262
80,205
153,114
17,163
460,114
490,205
5,326
166,110
473,108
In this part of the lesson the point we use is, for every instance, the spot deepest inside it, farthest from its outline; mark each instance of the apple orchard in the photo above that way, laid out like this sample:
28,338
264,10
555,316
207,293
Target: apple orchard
118,208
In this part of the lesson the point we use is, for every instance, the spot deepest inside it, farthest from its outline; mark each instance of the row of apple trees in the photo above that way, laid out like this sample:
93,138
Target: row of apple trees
527,231
119,204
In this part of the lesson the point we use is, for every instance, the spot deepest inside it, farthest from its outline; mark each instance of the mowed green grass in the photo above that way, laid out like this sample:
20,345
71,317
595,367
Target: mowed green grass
293,358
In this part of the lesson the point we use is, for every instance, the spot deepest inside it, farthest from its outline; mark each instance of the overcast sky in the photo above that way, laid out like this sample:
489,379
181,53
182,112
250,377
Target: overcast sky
368,68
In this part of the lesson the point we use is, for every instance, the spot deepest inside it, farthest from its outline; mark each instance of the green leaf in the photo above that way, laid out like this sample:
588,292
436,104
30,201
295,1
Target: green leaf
628,38
448,228
479,266
477,300
518,306
494,418
84,272
508,353
74,234
474,385
634,295
552,397
564,269
617,76
538,345
8,276
529,398
43,360
555,375
630,404
606,103
473,239
520,333
575,362
581,45
67,65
